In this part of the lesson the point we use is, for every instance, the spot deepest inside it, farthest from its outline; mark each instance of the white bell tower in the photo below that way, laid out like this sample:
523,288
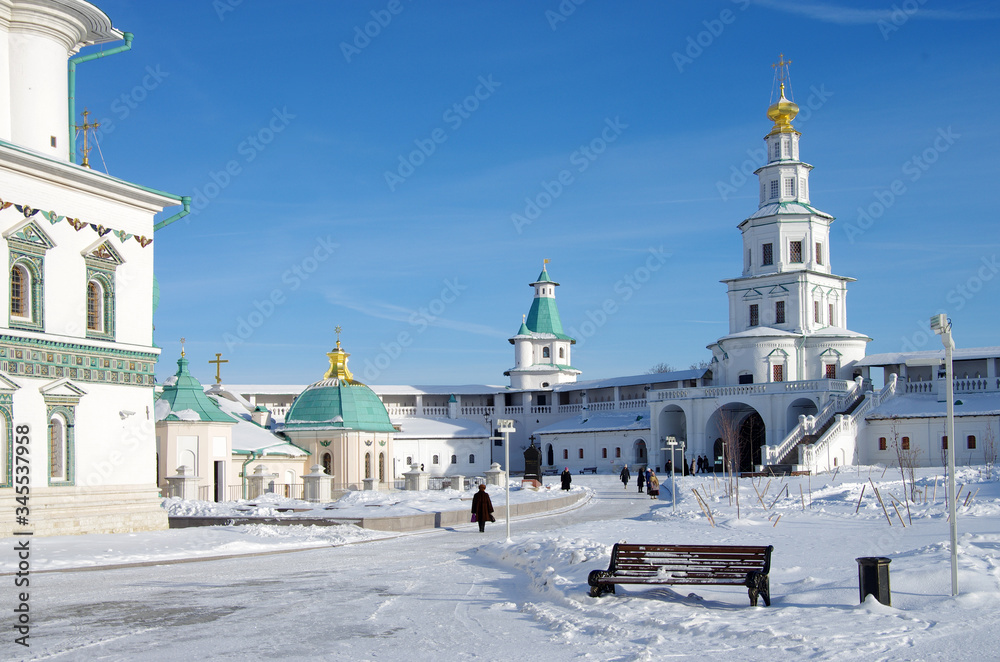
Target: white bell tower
788,311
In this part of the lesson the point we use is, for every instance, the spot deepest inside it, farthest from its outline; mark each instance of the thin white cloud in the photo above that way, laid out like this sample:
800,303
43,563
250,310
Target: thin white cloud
392,312
830,13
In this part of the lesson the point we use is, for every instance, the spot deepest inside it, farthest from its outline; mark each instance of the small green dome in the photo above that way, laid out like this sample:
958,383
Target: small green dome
338,404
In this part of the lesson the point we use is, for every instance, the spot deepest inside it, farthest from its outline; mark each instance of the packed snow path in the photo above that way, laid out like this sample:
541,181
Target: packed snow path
462,594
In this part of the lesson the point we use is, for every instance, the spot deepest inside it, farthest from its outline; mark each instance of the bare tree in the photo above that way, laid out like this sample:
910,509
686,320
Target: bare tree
990,449
908,458
729,430
700,365
660,367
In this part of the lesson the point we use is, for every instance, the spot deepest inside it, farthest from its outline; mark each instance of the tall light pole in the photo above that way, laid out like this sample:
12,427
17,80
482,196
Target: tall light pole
673,443
505,427
941,325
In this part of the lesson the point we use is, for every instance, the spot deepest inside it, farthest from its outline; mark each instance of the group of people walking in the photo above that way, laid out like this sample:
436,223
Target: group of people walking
646,480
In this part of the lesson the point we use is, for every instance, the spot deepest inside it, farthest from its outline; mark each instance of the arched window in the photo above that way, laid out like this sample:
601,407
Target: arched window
20,292
409,460
381,467
328,463
435,460
971,442
57,448
472,459
562,353
95,306
565,453
882,443
545,352
454,459
618,452
368,465
581,453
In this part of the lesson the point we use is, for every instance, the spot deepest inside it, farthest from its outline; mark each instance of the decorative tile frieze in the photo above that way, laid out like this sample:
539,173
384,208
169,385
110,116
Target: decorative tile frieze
55,360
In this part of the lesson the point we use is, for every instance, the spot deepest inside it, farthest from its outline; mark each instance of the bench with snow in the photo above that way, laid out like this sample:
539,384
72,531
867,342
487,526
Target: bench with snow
727,565
588,470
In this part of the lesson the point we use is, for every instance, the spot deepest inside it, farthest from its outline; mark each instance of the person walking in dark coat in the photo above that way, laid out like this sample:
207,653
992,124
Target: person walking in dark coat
640,480
482,508
566,477
625,476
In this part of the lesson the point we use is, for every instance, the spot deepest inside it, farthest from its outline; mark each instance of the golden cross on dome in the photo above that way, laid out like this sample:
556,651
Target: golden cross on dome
182,347
337,330
782,67
218,364
86,127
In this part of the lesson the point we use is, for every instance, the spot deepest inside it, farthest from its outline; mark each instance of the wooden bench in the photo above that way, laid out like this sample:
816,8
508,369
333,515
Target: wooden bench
588,470
726,565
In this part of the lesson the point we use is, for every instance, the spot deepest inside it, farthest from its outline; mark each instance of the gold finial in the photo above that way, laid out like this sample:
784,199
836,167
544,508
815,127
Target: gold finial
182,348
338,362
85,128
218,364
782,111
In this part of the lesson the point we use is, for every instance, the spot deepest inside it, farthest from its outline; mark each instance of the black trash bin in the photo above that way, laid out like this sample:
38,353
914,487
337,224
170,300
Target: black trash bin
873,578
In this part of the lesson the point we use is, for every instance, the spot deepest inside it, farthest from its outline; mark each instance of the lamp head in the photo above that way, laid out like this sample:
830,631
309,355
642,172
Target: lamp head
939,323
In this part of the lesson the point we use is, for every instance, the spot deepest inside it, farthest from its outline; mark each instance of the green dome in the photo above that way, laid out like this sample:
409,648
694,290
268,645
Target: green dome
338,404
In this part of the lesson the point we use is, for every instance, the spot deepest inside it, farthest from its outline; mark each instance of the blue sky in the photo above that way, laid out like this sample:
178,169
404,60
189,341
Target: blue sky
628,123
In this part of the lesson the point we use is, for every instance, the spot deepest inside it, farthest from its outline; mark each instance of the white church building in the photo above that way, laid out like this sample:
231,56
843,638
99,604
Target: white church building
788,388
76,348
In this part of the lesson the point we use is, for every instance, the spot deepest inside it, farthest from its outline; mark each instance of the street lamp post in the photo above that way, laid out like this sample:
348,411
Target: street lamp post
505,427
673,444
941,325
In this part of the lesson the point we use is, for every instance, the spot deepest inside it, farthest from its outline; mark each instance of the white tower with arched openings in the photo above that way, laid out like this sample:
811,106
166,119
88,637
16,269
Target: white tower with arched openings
788,311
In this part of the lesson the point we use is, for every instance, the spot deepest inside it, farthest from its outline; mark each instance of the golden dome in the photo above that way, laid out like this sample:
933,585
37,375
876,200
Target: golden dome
782,112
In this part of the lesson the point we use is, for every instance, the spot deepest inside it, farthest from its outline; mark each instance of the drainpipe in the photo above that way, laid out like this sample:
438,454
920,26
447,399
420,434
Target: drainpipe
73,61
186,201
243,472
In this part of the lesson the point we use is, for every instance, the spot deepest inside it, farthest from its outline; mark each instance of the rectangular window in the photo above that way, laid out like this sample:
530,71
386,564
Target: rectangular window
831,371
971,442
944,442
819,253
749,258
604,453
790,187
779,312
774,188
795,252
754,315
779,373
881,443
565,453
581,453
618,452
768,254
905,442
816,317
830,319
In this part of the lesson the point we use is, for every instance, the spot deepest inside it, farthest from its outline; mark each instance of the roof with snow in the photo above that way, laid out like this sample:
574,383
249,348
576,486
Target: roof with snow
604,420
929,357
770,331
440,428
790,207
249,437
924,405
184,399
634,380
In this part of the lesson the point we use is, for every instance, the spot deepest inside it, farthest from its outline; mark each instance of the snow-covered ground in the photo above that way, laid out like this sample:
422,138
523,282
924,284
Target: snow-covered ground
456,593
